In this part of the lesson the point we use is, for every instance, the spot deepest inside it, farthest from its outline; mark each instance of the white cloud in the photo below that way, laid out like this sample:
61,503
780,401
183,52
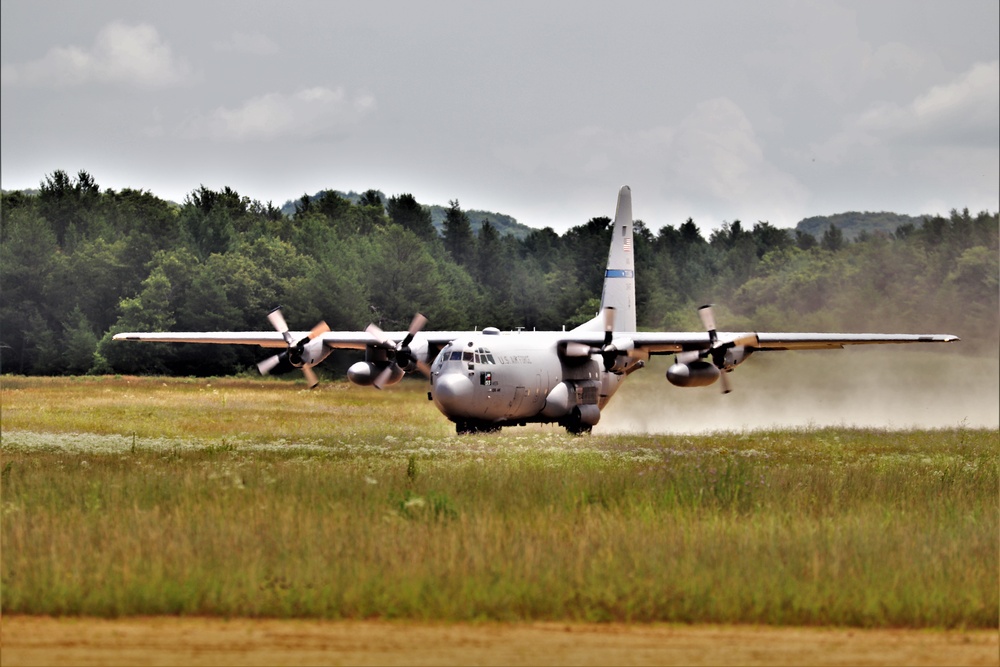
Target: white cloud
712,155
311,112
960,113
250,43
894,60
963,110
940,146
121,54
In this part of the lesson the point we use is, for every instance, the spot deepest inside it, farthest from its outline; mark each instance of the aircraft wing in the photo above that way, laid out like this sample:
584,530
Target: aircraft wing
654,342
670,342
352,340
821,341
262,338
665,343
359,340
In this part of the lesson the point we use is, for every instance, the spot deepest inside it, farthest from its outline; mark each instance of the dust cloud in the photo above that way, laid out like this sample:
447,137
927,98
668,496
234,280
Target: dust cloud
883,387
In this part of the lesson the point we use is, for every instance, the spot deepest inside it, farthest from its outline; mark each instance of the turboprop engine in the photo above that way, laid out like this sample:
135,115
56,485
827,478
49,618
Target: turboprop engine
389,361
700,368
302,354
617,353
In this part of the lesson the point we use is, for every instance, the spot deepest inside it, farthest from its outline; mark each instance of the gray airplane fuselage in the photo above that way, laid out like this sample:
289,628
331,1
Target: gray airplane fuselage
494,379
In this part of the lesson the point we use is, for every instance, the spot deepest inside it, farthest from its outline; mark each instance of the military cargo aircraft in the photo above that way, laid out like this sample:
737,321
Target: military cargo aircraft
485,380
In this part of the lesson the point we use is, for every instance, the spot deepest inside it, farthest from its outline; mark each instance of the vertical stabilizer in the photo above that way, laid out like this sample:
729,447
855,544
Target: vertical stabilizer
619,277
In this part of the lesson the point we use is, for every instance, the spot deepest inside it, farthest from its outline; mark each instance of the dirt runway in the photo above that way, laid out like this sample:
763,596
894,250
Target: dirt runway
28,640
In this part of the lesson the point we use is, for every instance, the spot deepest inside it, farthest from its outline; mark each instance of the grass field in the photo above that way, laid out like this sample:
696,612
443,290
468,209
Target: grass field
125,496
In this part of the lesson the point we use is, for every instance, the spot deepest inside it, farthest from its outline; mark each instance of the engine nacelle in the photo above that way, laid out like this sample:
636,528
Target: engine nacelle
693,374
560,401
736,356
588,414
418,350
313,352
617,365
364,373
310,354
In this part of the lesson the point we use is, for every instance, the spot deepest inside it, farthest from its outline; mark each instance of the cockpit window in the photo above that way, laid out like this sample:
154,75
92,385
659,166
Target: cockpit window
483,356
480,356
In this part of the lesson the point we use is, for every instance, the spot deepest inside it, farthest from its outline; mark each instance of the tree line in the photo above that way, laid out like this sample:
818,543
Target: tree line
79,264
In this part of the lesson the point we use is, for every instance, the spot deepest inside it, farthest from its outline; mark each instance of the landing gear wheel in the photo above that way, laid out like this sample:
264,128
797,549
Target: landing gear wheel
575,425
472,427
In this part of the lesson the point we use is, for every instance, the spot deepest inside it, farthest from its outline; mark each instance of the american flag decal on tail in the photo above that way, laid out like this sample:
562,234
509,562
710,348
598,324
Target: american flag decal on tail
627,246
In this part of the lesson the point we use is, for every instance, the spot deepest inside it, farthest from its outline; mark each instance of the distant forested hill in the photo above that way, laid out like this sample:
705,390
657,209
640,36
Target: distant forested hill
504,224
288,208
852,224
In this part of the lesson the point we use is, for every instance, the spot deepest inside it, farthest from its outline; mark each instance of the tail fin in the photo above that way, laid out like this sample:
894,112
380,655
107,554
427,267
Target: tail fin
619,277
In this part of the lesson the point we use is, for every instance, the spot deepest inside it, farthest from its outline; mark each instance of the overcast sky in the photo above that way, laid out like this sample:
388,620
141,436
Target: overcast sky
713,110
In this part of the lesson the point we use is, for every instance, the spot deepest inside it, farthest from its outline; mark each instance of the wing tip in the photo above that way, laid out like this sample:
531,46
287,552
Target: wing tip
940,338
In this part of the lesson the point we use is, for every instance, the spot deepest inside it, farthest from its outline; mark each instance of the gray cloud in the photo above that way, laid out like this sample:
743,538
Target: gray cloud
121,53
253,43
966,108
307,113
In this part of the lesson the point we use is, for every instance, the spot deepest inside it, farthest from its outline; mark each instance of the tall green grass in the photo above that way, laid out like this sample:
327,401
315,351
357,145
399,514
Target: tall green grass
336,516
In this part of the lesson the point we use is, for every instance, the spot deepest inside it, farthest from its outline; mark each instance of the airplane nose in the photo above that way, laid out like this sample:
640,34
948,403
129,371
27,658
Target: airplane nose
452,393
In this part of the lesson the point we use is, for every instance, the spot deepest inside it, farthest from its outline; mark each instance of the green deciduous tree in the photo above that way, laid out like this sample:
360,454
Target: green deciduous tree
407,213
78,344
458,238
68,204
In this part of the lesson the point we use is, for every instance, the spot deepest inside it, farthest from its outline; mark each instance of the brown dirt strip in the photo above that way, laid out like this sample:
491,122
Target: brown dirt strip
31,640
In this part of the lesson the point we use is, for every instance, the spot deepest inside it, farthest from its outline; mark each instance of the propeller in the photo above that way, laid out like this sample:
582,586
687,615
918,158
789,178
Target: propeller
611,350
402,358
717,350
608,351
293,355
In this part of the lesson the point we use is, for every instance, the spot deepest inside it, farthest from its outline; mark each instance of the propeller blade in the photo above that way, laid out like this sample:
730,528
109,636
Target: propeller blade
268,364
277,320
724,382
319,330
383,377
609,324
609,318
310,376
707,315
424,368
688,357
377,333
417,323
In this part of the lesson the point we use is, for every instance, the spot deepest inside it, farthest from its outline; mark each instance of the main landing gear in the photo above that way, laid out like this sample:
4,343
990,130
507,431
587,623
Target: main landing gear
578,424
573,424
578,428
472,426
